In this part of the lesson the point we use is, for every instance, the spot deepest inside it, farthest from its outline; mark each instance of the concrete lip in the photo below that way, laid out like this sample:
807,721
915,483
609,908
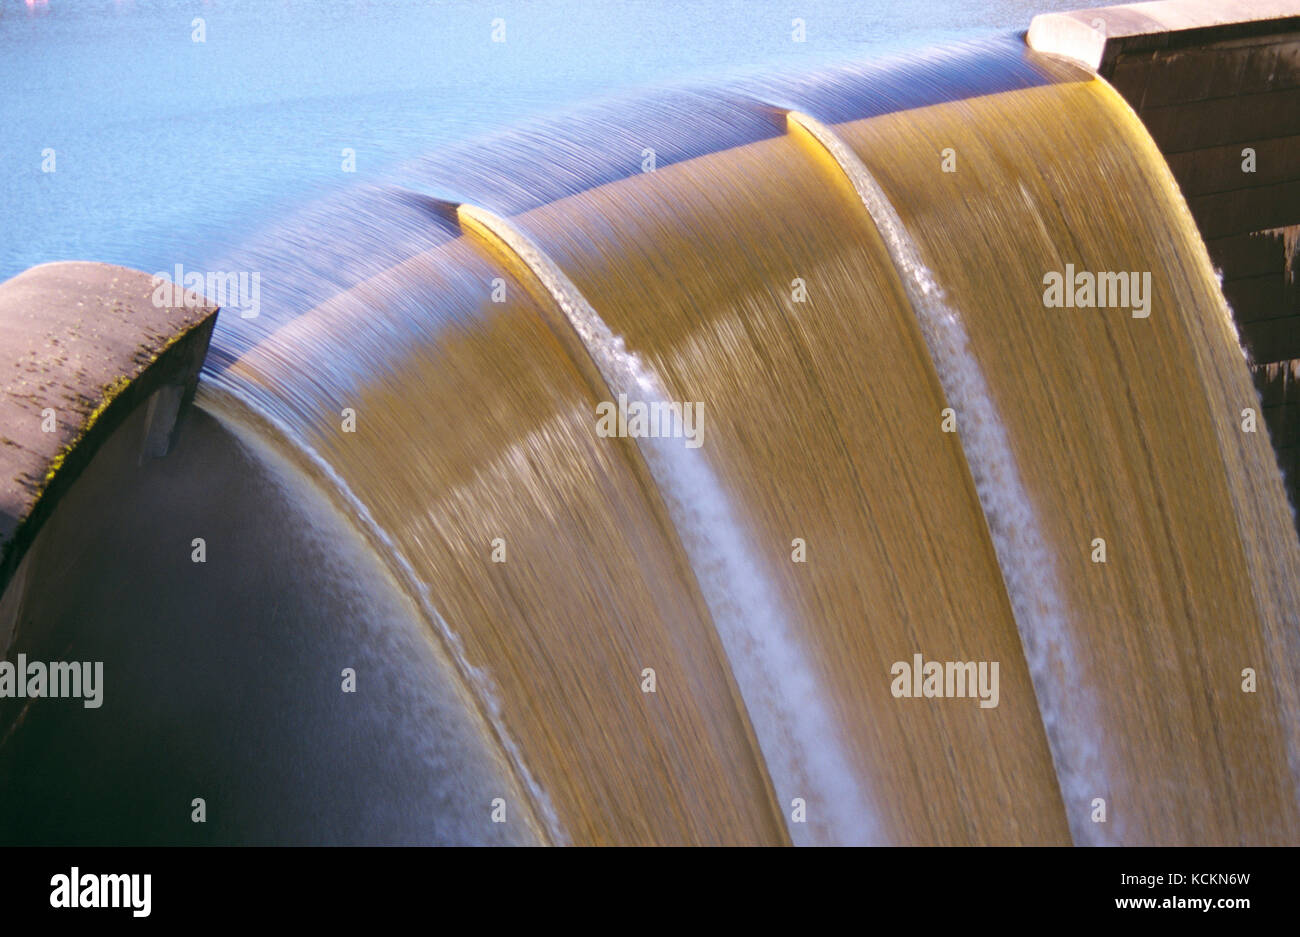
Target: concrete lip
1095,36
81,346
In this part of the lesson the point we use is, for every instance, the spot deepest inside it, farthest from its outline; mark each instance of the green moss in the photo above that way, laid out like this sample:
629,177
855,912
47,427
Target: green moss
108,393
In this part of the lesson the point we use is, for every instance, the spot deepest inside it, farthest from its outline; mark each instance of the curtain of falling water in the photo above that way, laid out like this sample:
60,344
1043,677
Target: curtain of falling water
480,439
1124,429
823,424
475,424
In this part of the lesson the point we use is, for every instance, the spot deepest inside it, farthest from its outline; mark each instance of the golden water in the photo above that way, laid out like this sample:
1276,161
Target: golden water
755,281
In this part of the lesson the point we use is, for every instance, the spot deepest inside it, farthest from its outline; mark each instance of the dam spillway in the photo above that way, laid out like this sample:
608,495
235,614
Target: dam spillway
904,449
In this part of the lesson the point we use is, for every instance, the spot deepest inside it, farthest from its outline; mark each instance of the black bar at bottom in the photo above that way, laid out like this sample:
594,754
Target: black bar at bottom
606,887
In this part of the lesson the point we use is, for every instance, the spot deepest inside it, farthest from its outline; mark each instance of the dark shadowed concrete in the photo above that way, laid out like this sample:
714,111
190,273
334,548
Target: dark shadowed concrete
222,679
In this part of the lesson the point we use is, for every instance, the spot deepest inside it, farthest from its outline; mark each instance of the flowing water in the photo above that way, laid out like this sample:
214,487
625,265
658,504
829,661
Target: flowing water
791,258
475,348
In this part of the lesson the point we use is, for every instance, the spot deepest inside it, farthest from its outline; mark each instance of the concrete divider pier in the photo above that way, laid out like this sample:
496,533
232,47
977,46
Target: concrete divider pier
82,346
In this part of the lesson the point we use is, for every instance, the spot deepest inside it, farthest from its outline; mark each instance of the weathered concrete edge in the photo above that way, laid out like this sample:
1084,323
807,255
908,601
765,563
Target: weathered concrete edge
131,350
1096,37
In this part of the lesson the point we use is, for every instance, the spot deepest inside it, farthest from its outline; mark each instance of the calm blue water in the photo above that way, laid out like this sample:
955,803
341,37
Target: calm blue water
169,150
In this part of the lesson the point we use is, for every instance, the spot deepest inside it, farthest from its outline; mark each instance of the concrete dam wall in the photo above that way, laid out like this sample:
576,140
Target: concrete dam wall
921,556
82,346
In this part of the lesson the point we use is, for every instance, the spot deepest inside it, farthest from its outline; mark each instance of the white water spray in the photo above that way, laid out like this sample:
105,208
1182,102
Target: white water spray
800,743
